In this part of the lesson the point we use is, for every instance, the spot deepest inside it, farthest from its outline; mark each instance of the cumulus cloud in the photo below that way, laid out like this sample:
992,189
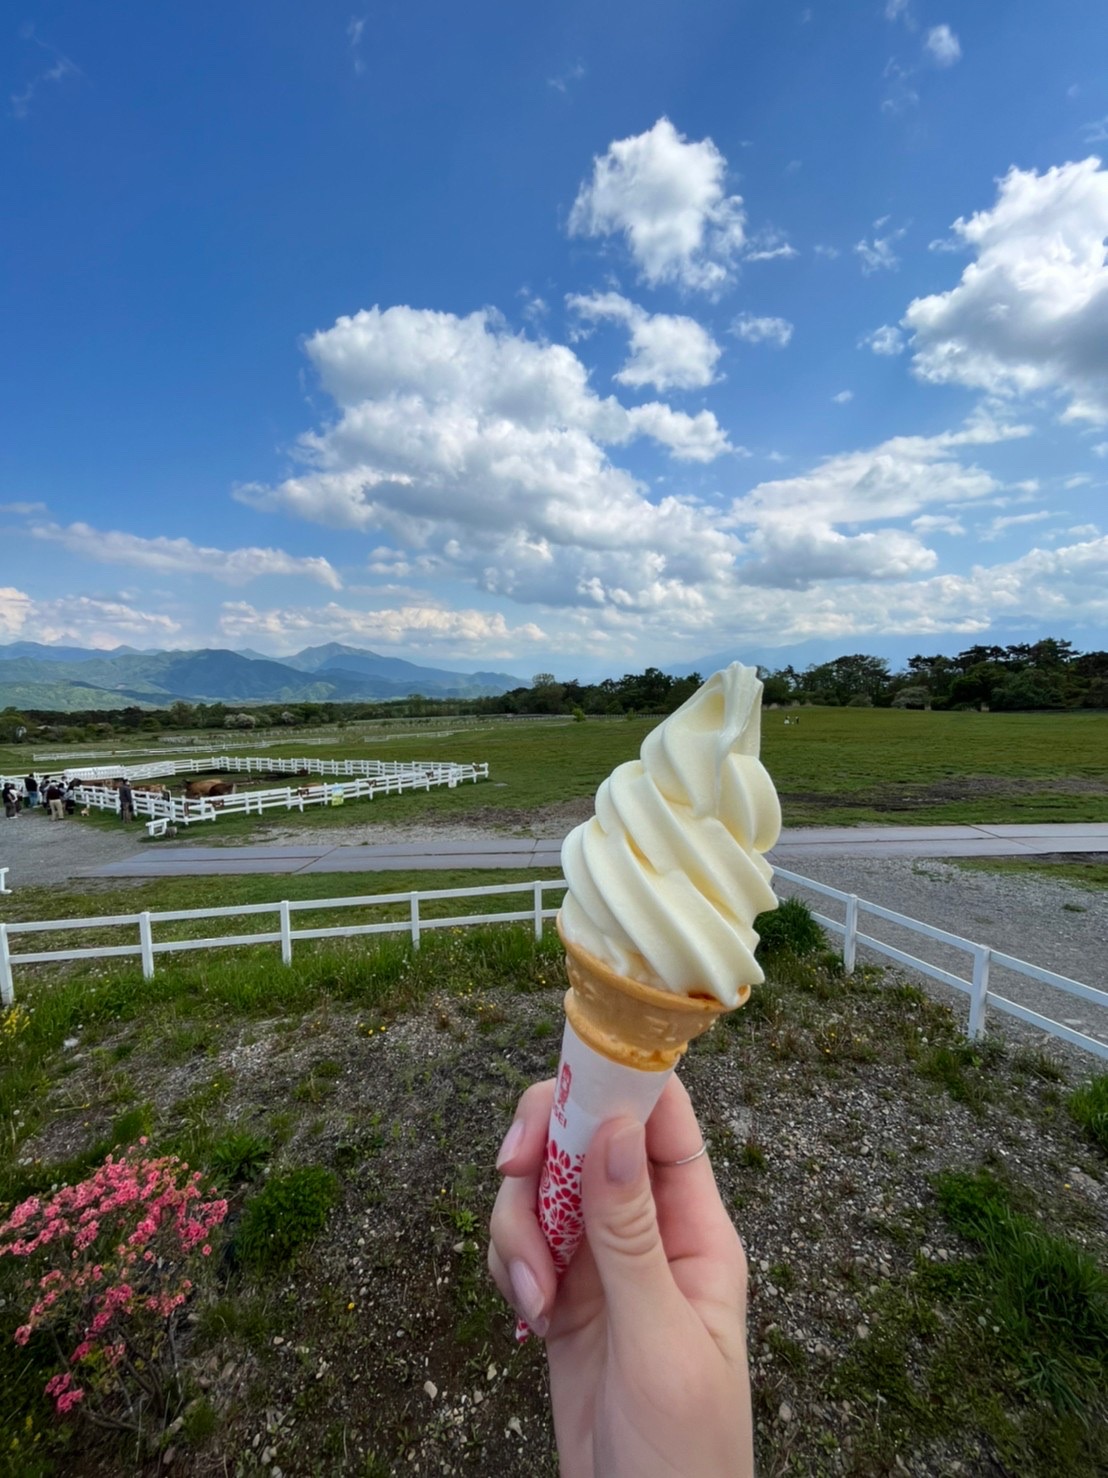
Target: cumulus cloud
488,453
668,351
1030,313
844,397
83,620
775,331
181,556
666,196
943,46
795,527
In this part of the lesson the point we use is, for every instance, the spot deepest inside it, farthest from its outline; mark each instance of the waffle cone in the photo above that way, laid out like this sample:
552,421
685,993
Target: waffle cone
628,1022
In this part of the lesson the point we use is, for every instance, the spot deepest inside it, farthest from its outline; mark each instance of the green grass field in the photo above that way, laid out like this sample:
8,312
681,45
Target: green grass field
838,766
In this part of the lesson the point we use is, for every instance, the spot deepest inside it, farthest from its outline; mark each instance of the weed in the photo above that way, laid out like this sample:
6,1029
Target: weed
238,1155
1088,1106
753,1156
286,1214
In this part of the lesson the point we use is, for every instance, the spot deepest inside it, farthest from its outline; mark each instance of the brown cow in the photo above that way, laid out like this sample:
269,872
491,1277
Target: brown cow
198,789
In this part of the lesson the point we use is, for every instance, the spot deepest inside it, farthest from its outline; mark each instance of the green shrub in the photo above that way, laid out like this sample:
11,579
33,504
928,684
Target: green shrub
1089,1107
289,1211
789,928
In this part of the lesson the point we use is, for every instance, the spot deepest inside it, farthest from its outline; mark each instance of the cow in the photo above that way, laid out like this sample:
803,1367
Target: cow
206,788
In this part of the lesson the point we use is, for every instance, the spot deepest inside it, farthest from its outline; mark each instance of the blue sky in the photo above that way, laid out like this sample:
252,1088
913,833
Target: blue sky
574,338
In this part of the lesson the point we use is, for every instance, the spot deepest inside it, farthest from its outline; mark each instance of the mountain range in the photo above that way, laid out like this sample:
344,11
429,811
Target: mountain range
36,676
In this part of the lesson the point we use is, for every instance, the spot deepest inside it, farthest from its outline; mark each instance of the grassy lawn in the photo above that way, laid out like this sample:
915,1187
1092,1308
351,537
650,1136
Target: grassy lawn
837,766
1093,876
927,1257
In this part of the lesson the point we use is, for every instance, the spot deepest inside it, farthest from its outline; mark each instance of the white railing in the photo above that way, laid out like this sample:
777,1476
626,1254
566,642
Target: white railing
337,782
982,955
146,947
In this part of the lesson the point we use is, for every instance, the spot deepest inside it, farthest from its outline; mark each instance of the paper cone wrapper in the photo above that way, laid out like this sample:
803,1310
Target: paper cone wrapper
621,1042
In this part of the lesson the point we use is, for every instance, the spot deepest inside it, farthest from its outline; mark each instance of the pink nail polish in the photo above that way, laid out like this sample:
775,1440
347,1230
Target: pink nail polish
512,1141
527,1296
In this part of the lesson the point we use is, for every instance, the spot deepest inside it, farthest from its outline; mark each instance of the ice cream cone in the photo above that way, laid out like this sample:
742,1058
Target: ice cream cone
633,1024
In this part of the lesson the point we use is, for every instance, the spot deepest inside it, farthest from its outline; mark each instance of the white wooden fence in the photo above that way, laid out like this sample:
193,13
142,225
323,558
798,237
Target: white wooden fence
336,782
146,947
982,956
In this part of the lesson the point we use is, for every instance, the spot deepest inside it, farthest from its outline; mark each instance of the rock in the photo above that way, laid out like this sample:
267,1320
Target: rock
431,1389
784,1412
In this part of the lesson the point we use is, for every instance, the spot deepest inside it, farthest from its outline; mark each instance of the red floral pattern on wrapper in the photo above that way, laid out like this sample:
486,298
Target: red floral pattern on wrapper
591,1088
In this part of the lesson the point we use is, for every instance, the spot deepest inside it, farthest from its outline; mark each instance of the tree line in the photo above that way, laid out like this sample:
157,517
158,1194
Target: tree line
1047,674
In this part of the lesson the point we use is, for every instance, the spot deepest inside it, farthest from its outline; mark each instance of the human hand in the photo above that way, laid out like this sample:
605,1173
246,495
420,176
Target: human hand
646,1332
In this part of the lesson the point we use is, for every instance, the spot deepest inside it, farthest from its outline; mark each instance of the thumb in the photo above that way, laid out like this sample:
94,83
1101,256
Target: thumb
621,1224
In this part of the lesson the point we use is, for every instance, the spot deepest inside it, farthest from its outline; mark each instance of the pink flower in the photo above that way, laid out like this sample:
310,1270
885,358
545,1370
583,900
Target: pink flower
69,1400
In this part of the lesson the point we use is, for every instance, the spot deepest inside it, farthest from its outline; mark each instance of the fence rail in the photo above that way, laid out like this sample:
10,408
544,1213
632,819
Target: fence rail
982,955
147,947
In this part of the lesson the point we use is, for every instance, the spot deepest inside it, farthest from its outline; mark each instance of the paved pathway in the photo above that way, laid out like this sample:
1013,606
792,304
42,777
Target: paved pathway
167,860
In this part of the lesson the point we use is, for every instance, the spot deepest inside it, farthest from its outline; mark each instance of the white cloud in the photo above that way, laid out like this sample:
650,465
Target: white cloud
1101,449
1000,525
895,9
775,331
668,351
844,397
797,523
564,79
768,245
60,68
666,196
181,556
412,628
80,619
884,340
943,46
1096,132
938,523
878,255
1030,313
485,452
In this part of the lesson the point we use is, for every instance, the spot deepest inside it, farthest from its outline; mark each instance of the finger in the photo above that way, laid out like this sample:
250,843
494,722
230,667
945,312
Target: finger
692,1217
623,1234
523,1147
519,1259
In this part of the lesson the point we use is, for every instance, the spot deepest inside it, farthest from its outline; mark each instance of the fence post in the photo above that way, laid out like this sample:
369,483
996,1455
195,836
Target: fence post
981,957
850,934
538,910
147,942
415,920
7,989
286,933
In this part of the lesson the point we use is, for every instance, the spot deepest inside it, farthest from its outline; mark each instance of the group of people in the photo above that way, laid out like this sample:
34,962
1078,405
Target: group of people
52,792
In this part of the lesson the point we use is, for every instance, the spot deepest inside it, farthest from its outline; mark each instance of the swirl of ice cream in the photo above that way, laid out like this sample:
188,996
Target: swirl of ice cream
666,879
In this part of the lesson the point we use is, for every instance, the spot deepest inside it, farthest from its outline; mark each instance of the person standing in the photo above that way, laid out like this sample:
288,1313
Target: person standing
30,785
11,800
126,801
55,799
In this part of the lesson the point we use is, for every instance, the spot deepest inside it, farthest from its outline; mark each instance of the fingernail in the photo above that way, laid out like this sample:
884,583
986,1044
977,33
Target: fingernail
512,1141
527,1296
627,1154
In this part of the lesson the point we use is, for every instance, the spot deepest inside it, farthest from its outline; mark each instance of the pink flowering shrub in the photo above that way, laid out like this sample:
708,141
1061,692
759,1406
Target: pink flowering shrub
111,1257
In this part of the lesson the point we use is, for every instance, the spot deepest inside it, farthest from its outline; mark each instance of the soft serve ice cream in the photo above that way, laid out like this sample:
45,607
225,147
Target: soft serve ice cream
664,884
666,879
